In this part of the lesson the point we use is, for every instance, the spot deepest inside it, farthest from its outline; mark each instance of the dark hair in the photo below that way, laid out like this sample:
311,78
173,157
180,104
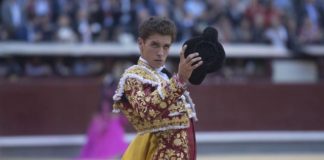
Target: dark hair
160,25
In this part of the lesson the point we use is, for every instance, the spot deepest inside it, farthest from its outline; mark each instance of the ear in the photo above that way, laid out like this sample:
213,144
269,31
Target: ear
140,42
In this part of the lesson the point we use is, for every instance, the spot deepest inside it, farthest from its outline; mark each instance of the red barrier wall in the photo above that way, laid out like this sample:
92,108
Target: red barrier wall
65,106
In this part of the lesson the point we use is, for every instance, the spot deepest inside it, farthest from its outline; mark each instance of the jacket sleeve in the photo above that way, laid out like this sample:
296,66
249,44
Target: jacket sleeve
146,99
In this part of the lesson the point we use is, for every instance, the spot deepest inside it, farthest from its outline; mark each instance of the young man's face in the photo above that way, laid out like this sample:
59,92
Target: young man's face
155,49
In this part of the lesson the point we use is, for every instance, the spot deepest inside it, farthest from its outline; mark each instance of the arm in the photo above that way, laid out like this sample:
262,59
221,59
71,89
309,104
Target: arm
146,100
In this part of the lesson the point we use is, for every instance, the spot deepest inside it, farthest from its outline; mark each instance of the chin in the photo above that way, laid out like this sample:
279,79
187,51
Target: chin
157,66
160,65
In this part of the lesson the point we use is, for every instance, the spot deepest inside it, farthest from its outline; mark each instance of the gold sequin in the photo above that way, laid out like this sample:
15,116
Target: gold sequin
177,142
163,105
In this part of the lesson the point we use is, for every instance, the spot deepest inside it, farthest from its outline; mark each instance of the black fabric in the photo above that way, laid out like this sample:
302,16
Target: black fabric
211,52
165,71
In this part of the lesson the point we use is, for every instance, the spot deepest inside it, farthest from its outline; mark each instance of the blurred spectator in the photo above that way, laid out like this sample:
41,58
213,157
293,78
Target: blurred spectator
67,7
83,26
270,13
10,68
194,7
119,68
41,8
42,30
277,33
254,10
86,66
160,7
142,14
36,67
301,10
309,32
3,70
95,16
61,68
116,19
178,15
243,32
65,32
225,30
14,69
14,20
235,12
3,33
284,7
258,29
311,11
293,42
215,9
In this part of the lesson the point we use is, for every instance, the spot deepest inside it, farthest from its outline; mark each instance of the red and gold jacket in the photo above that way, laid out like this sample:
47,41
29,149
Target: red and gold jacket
153,104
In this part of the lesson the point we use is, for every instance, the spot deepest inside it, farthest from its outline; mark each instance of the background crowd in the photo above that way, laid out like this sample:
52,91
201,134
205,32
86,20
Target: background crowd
238,21
289,24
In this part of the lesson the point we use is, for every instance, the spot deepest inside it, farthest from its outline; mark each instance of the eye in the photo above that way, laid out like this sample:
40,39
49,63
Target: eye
166,47
155,45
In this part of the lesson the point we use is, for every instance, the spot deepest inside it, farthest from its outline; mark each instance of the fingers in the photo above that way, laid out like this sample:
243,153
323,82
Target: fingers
194,60
197,65
191,57
183,49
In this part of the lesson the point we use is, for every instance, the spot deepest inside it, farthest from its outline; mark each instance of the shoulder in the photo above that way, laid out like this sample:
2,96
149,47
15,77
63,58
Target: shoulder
134,76
140,73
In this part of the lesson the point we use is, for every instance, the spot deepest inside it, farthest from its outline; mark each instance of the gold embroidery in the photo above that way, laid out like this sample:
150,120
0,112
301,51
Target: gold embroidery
155,100
152,113
177,142
147,99
163,105
147,111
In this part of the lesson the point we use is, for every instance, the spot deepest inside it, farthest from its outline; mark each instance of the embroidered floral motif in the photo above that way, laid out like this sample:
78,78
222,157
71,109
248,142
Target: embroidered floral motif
152,104
172,144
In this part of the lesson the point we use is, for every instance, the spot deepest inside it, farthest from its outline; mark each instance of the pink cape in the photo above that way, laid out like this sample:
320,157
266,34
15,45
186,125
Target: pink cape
105,138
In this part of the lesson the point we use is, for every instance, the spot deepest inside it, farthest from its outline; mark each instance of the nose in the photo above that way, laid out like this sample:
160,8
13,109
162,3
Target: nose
161,52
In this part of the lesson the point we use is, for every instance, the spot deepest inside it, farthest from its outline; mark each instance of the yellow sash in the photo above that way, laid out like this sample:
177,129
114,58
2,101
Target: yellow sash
141,148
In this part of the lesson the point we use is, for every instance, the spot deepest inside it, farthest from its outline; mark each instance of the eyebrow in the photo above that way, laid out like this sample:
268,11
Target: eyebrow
157,43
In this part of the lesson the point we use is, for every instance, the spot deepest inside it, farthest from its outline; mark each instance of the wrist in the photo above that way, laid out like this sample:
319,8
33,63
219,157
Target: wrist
180,80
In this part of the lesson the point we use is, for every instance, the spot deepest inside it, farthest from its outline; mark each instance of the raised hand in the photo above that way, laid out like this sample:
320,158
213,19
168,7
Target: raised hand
187,65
